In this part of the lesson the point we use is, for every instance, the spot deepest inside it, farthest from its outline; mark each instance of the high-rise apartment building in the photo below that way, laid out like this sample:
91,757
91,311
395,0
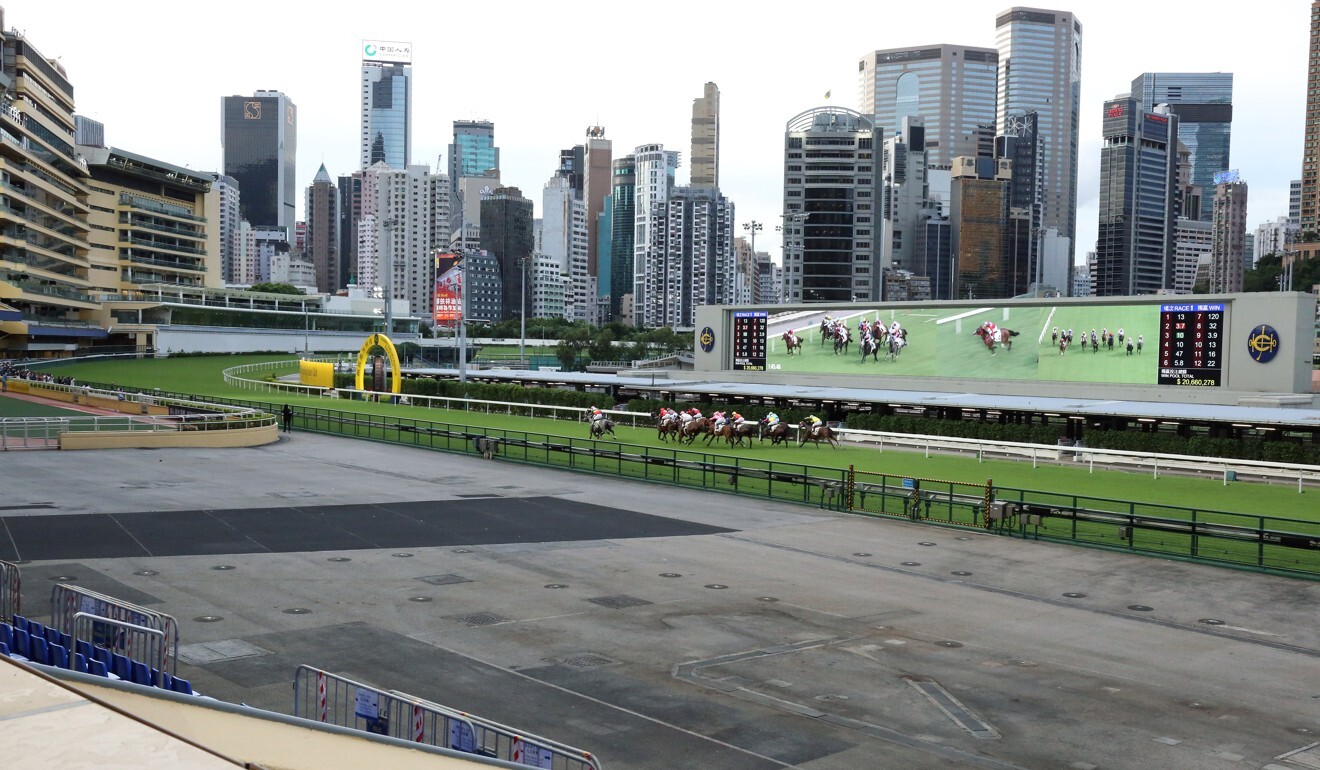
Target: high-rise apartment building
1228,256
1203,102
690,261
705,162
596,184
225,216
564,245
400,209
655,169
1309,210
260,139
386,104
622,207
951,88
831,226
322,239
506,232
1138,200
472,154
1272,237
903,195
1040,64
1193,241
44,261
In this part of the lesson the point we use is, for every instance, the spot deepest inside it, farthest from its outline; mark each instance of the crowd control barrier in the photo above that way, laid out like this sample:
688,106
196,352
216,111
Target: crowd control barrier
68,602
325,697
10,594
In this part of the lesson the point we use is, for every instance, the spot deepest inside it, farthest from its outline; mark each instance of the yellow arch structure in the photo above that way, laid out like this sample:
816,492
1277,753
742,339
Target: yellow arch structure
383,342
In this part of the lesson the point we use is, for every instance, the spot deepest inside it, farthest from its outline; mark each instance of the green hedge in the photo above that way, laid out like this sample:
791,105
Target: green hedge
513,393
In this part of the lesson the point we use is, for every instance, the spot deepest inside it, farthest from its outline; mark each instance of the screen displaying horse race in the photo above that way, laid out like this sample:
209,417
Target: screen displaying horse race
1069,343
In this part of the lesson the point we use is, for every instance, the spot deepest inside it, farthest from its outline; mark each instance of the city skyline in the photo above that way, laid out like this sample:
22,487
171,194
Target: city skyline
570,87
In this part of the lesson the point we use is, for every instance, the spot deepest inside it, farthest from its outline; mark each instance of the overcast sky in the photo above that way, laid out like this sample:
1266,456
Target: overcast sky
154,73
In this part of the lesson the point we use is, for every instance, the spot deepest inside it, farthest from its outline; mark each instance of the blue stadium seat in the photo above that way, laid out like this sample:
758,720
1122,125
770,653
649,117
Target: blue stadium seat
58,655
80,662
4,649
39,651
121,666
35,629
97,668
52,635
166,681
20,622
7,634
183,686
21,646
104,655
140,673
84,648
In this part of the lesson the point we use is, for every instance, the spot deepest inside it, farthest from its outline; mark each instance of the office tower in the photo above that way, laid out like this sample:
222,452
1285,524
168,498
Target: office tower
225,218
1203,102
260,140
982,230
1081,286
1228,257
1295,202
1040,60
831,232
903,195
1193,241
506,232
397,229
472,154
1138,200
690,261
245,254
44,260
571,162
350,211
564,243
655,168
706,138
622,207
322,243
747,276
937,256
596,183
951,88
88,132
386,104
138,238
1309,213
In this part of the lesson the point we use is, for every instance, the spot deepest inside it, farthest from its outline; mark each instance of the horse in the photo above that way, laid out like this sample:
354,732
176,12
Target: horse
667,425
732,434
826,331
600,426
778,434
842,338
896,344
688,432
820,433
792,342
870,347
1001,336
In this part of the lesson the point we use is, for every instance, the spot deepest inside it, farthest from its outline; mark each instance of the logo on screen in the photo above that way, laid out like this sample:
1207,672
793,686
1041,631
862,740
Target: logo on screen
1263,344
707,339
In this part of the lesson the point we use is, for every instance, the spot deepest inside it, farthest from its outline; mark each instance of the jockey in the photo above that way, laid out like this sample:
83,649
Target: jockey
895,328
1120,334
596,414
719,419
738,419
771,420
814,421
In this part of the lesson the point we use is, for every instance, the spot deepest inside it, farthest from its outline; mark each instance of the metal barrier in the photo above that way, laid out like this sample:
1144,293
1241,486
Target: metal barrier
920,499
32,432
67,602
325,697
116,634
11,599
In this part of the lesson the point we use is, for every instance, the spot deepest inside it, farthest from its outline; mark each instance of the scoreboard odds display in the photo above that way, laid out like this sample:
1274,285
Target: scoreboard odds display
1190,344
749,340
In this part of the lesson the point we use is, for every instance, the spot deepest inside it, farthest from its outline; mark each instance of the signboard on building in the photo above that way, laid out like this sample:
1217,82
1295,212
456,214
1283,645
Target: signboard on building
448,290
386,52
1227,177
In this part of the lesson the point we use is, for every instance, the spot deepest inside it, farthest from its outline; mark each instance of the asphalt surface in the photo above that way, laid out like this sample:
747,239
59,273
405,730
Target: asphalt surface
660,627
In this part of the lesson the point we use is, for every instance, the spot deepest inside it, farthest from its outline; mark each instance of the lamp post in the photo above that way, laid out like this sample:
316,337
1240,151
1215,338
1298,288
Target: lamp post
462,317
522,315
793,221
389,225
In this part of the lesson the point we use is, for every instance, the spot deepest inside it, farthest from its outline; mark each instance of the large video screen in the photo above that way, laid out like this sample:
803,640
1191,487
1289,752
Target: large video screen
1170,344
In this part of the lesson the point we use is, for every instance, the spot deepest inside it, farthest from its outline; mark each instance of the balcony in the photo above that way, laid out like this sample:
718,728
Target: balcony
137,259
173,211
160,245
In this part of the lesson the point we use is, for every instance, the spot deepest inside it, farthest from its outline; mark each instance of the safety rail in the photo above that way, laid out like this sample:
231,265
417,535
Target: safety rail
121,635
68,602
325,697
11,591
232,378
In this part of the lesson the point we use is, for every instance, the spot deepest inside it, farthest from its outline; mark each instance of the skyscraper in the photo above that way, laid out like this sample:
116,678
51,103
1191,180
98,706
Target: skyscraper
472,154
1228,255
386,104
982,230
596,182
831,229
322,246
655,170
706,138
1138,200
1309,219
506,232
260,140
226,210
1040,64
950,87
623,205
691,261
1203,102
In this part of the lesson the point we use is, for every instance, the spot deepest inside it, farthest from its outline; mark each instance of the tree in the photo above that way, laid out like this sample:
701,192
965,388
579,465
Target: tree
276,288
602,347
571,344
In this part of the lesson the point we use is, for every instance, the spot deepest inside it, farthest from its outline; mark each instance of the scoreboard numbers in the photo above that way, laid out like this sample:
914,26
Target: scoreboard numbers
1191,344
749,343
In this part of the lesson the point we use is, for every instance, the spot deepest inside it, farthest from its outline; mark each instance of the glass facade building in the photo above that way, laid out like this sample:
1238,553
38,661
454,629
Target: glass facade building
386,114
506,232
623,207
473,152
1203,102
260,139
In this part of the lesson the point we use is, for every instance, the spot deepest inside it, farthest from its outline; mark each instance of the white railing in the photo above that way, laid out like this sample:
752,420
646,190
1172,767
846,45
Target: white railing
1226,468
232,378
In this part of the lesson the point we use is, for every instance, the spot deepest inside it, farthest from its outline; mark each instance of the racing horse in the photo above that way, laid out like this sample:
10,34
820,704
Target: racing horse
870,347
792,342
601,426
777,434
896,344
733,434
688,432
820,433
842,338
1001,336
826,331
666,427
